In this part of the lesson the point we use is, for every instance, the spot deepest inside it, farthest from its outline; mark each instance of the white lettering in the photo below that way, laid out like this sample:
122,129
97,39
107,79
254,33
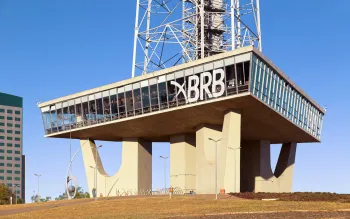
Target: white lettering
218,91
198,86
193,91
205,86
180,89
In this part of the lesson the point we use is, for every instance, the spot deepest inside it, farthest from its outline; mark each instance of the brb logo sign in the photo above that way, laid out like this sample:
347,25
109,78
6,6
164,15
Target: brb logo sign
198,86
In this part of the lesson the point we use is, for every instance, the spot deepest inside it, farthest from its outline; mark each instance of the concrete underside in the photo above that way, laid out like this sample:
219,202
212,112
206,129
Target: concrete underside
258,122
212,159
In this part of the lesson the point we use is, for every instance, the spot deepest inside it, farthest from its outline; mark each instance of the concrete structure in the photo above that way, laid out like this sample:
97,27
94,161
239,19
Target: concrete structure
12,161
239,97
134,174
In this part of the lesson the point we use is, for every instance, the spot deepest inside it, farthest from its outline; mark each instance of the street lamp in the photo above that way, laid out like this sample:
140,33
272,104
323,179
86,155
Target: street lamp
38,175
234,161
163,157
95,175
15,185
216,166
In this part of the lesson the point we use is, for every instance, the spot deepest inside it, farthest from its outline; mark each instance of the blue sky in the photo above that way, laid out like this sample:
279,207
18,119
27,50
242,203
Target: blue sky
50,49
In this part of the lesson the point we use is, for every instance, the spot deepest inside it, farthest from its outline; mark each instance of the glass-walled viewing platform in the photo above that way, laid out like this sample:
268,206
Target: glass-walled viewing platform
244,73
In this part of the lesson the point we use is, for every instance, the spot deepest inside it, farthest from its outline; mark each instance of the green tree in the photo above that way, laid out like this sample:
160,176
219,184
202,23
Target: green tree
5,194
34,198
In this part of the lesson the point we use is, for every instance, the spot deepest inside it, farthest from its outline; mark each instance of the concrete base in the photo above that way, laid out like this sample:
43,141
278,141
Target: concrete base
183,162
257,175
229,141
135,173
205,158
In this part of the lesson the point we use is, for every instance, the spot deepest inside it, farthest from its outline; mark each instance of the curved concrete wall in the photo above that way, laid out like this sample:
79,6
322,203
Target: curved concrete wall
257,174
135,172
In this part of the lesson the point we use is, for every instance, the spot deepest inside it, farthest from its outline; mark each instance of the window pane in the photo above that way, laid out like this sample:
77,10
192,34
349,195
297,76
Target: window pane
53,118
85,110
129,100
59,115
106,105
73,118
121,102
99,110
92,108
154,94
145,96
137,99
162,92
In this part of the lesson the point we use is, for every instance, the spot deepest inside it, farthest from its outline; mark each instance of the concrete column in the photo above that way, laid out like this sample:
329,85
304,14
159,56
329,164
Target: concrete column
257,174
230,154
205,158
135,173
285,167
183,162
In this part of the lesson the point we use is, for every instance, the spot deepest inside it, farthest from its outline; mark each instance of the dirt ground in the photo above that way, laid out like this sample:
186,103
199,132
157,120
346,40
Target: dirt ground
177,207
279,215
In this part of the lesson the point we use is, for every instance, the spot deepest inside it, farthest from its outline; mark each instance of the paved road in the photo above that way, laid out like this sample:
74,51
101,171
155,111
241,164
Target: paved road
279,215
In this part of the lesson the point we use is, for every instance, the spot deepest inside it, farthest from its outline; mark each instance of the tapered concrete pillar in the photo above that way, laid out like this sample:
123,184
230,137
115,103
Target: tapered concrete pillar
285,167
183,162
135,173
229,171
257,174
205,158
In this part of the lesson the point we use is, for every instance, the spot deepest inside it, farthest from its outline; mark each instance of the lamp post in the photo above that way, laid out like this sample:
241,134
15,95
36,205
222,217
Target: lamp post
163,157
234,161
216,166
15,185
38,175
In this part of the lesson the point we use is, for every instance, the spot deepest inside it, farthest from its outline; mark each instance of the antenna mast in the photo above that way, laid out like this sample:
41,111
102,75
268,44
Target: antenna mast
172,32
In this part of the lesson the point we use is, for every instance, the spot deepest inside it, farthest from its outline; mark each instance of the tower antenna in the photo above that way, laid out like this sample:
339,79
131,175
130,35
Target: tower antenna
172,32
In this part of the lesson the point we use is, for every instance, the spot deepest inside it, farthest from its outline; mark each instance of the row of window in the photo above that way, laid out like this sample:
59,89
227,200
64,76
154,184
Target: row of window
10,118
146,96
10,132
10,125
17,112
268,86
10,158
10,178
10,171
9,151
9,138
2,144
10,165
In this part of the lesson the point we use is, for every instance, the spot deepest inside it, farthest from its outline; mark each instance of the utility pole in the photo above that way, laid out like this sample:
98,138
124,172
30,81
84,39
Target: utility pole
38,175
163,157
216,166
16,185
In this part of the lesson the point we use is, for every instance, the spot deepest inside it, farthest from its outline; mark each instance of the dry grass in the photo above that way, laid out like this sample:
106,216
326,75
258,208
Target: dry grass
158,207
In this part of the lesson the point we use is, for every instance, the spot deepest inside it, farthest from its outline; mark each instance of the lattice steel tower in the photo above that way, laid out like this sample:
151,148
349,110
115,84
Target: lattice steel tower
171,32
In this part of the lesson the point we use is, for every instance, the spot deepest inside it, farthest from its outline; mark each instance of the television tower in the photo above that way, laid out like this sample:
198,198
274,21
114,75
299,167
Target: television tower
171,32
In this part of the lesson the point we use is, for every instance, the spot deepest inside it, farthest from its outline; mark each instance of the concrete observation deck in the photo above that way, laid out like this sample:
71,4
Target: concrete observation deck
157,124
239,99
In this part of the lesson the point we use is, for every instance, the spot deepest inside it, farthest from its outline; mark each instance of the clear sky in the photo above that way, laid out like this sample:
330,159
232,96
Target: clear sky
51,48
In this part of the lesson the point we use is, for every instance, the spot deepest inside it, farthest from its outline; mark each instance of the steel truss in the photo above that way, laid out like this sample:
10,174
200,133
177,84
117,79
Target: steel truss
171,32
